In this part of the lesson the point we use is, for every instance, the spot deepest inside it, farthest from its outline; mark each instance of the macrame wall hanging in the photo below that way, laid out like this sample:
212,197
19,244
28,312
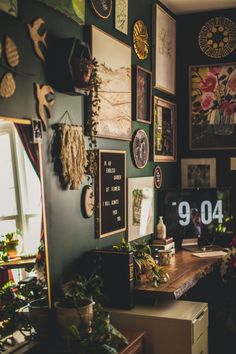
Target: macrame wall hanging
69,152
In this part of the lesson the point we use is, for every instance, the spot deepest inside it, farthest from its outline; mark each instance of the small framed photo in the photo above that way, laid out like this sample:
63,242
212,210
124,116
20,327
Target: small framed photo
140,148
37,131
198,173
140,207
143,94
164,130
121,16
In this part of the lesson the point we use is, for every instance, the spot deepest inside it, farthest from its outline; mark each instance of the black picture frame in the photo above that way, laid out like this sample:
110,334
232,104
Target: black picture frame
143,94
140,148
101,8
37,131
111,192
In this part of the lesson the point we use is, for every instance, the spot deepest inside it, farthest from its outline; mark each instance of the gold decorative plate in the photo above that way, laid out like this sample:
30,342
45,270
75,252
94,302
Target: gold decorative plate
217,38
140,39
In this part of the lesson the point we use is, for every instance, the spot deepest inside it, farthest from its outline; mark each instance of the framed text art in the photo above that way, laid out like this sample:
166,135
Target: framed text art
212,107
140,148
140,207
72,9
121,16
114,70
164,53
198,173
111,192
164,130
143,94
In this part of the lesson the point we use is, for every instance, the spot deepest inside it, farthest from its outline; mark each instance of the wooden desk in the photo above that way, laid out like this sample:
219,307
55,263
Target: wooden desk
185,271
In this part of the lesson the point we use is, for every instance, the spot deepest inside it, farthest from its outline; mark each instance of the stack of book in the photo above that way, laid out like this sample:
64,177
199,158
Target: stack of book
162,244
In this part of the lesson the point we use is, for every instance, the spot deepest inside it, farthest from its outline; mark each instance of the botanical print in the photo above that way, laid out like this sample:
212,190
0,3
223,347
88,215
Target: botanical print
198,173
141,207
198,176
9,6
114,120
165,52
121,13
213,106
75,9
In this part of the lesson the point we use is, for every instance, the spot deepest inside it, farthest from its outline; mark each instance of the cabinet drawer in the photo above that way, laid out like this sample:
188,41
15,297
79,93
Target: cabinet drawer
201,345
199,324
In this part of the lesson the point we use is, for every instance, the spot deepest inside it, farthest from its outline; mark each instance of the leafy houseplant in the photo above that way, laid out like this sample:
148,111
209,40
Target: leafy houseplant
8,244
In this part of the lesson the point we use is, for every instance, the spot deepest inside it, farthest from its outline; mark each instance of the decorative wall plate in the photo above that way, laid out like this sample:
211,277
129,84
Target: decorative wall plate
87,201
140,39
217,38
157,173
102,8
140,145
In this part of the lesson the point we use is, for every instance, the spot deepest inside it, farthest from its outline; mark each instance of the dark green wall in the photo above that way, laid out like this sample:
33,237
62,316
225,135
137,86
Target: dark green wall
69,234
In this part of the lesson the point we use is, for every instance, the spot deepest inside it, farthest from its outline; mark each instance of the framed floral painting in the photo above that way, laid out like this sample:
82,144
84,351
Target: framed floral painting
212,107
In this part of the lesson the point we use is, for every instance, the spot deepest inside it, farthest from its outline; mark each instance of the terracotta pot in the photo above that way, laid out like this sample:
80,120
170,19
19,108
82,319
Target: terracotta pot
80,316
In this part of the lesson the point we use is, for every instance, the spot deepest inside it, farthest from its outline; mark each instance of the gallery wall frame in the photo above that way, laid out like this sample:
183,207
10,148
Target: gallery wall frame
164,131
72,9
198,173
101,8
140,148
111,192
121,16
164,50
212,115
140,207
143,94
114,120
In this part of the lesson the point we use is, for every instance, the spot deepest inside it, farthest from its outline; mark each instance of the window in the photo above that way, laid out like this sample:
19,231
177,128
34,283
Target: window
20,191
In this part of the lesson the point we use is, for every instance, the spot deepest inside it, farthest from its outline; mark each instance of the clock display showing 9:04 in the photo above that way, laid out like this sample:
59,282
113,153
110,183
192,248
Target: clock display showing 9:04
208,212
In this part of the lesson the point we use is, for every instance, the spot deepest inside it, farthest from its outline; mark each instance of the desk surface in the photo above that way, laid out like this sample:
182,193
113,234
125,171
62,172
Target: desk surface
185,271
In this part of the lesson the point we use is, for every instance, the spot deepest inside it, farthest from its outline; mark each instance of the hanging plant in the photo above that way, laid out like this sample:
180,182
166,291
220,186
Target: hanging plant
93,113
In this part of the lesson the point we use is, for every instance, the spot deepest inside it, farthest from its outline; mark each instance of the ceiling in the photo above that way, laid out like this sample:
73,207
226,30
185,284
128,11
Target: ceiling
187,6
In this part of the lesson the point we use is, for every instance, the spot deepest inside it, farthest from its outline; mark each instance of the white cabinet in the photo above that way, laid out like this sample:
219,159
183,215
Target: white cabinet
179,327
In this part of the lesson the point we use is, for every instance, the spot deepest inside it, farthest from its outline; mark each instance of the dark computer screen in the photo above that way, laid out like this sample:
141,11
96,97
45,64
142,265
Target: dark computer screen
191,213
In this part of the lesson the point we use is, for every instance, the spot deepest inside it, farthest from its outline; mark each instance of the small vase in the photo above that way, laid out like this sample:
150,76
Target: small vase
223,124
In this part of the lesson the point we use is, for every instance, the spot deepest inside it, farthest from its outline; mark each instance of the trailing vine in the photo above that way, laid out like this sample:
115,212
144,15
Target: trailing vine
93,113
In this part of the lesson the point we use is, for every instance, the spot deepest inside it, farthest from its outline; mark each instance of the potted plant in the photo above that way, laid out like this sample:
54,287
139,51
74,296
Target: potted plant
76,304
9,244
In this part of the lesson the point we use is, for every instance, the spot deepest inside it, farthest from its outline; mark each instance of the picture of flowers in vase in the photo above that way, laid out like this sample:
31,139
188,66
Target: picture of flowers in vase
213,106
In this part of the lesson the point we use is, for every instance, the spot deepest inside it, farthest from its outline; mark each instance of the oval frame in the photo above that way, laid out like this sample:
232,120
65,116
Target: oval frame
99,10
140,30
87,201
157,174
139,142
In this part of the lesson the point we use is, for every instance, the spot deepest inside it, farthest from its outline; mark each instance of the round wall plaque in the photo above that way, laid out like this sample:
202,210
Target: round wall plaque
140,146
140,39
87,201
217,38
102,8
157,173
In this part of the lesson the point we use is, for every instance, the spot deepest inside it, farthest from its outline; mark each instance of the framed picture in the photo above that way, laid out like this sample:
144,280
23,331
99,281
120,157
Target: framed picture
101,8
198,173
140,148
114,120
157,174
9,6
143,94
87,201
121,16
164,130
72,9
164,53
140,207
212,107
37,131
111,192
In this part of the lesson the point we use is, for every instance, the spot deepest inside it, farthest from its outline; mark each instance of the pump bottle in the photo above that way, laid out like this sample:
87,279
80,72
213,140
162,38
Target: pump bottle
161,229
